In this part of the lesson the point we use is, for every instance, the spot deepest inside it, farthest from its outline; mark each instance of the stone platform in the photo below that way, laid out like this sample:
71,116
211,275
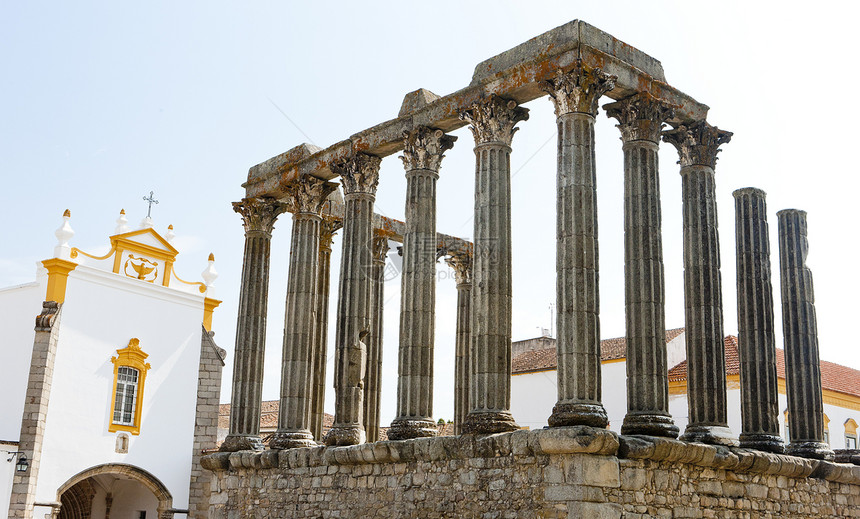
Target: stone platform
568,472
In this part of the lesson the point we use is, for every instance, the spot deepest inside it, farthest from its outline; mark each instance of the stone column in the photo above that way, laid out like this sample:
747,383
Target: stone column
462,265
258,217
698,144
423,150
359,178
800,331
294,418
641,119
756,338
574,96
328,227
372,387
493,124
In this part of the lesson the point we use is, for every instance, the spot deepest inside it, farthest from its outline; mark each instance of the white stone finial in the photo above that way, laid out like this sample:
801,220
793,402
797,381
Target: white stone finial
210,275
170,235
121,223
64,234
147,222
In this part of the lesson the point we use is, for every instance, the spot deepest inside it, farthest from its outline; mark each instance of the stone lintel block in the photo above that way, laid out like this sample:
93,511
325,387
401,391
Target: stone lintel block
216,461
291,156
574,439
838,472
416,100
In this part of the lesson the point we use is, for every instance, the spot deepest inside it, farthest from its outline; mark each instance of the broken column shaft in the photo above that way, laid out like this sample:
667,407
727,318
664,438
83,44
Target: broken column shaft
800,331
328,226
258,217
462,265
698,144
359,177
493,124
373,382
756,338
422,155
307,196
641,118
575,96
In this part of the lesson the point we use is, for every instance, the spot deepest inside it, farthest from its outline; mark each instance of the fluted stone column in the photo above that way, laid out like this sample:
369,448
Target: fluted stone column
372,392
698,144
493,124
307,196
328,227
800,331
258,218
359,177
641,118
462,265
575,96
756,338
423,150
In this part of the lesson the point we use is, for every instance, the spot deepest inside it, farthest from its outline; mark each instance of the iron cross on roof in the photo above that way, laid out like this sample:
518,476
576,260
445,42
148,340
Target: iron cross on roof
151,199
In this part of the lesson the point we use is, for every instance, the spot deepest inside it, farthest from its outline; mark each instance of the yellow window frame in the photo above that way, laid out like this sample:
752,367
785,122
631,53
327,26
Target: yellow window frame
130,356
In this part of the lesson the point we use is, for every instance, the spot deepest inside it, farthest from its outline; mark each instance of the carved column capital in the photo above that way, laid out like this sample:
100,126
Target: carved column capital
579,90
328,228
640,117
359,173
307,194
380,248
494,119
424,148
697,143
462,265
259,213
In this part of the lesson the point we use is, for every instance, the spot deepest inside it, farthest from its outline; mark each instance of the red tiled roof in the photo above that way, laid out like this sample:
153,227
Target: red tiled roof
546,359
834,377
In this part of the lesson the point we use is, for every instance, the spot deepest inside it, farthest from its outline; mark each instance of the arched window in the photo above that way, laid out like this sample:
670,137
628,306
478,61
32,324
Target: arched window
129,375
850,434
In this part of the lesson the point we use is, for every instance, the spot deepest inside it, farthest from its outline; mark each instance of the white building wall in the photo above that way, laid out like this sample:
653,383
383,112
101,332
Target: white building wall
102,312
7,472
19,307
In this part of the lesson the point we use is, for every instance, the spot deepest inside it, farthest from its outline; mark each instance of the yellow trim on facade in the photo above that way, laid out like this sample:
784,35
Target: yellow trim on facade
58,275
133,357
209,306
202,286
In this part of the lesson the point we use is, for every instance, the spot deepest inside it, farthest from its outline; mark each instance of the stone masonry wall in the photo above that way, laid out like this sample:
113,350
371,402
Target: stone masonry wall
564,472
206,422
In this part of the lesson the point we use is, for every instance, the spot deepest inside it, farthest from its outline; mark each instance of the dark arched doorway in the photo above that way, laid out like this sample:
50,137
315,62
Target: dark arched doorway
114,490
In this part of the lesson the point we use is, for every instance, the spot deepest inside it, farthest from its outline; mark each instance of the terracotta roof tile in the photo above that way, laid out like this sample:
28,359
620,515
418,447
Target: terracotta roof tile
834,377
544,359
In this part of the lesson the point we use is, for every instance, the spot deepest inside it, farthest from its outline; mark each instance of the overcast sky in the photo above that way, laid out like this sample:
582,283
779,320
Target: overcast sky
103,102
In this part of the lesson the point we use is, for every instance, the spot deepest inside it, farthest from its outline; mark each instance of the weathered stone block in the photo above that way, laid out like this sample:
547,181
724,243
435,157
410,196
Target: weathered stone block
599,471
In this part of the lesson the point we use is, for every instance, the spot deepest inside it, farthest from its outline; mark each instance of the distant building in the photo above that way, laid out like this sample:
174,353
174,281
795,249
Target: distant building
534,383
107,406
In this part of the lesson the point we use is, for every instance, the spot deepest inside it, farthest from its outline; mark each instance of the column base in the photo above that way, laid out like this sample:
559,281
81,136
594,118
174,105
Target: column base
566,413
710,434
241,442
812,450
405,428
762,442
650,425
345,434
489,423
292,439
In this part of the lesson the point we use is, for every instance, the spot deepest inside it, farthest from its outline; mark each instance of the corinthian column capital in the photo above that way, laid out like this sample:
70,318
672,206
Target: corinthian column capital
697,143
494,119
259,213
308,194
424,148
328,228
640,117
579,90
462,265
359,173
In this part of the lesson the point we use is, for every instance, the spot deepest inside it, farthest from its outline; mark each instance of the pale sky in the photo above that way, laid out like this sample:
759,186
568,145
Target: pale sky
103,102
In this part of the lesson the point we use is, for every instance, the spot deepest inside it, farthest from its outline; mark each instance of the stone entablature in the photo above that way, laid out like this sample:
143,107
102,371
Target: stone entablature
560,472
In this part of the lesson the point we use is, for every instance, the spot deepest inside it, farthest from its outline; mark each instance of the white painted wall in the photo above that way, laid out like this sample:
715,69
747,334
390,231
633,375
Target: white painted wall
7,472
19,307
129,499
102,312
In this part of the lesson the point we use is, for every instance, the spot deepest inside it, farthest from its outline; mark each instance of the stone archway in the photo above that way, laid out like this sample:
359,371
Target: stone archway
77,493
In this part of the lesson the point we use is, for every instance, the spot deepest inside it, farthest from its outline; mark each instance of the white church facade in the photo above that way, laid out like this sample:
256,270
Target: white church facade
111,383
534,387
